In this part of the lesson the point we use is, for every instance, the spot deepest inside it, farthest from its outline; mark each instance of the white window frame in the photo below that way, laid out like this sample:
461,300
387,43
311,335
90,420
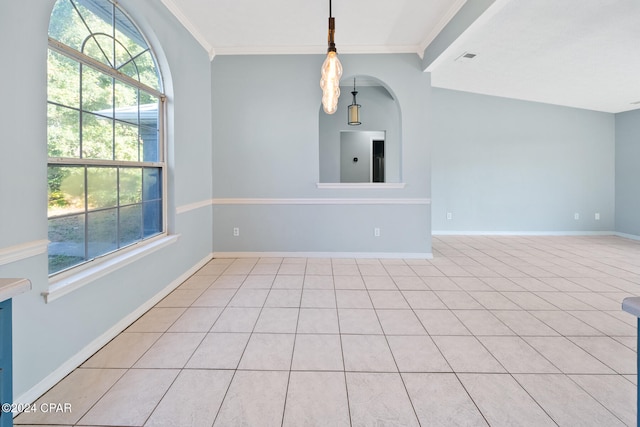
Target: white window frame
74,277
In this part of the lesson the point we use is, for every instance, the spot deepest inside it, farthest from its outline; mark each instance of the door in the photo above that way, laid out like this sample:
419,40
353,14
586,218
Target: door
377,160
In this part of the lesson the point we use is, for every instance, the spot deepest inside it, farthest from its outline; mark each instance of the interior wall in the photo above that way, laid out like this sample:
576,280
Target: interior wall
503,165
47,337
266,160
628,173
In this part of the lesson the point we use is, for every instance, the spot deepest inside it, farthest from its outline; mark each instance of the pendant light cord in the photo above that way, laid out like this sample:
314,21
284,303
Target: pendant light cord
330,14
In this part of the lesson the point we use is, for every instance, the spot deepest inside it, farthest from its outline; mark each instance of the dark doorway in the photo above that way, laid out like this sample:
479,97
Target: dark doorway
378,161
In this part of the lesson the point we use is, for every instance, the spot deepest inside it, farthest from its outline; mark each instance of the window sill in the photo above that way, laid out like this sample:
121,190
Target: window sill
361,185
10,288
67,283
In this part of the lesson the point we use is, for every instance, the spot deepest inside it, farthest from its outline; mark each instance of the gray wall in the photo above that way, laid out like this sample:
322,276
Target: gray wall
46,336
628,172
379,112
265,146
503,165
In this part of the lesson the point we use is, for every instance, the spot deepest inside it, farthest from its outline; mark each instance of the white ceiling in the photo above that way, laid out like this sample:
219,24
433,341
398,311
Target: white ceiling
579,53
297,26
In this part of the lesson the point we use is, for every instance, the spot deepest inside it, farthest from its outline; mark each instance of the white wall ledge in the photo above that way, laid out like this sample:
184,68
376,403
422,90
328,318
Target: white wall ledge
9,288
22,251
193,206
63,284
324,201
361,185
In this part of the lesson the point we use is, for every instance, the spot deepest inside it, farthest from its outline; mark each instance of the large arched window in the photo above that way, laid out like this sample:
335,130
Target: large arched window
106,167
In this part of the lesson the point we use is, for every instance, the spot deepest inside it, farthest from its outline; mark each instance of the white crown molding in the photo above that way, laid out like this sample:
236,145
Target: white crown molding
312,50
23,251
188,25
322,201
359,255
453,10
377,49
271,50
79,358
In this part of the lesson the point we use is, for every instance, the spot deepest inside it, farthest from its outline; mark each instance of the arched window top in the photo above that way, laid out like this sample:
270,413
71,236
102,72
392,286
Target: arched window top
101,31
105,136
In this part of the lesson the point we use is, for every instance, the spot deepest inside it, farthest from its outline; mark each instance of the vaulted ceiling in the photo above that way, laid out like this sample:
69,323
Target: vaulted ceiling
578,53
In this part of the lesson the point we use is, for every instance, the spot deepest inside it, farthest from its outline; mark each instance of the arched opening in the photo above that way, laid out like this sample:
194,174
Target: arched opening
369,152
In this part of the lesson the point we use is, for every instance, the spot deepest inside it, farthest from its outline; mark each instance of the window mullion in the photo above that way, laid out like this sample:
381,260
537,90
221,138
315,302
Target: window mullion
84,59
96,162
140,152
80,114
86,213
113,31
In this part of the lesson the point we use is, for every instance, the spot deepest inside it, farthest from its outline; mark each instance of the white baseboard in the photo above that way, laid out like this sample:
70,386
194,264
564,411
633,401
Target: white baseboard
521,233
627,236
78,359
361,255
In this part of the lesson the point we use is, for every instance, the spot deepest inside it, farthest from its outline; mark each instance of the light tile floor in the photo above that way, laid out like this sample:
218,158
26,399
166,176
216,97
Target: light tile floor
491,331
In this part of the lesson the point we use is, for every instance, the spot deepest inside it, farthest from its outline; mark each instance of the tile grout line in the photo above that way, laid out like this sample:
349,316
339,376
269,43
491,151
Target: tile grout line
386,339
242,354
293,350
344,366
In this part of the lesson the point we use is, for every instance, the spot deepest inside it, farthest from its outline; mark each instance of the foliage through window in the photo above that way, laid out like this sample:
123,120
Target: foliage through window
105,109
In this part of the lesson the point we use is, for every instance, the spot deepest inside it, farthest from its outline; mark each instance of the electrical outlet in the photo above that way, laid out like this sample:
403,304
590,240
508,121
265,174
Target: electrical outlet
576,216
597,216
236,231
449,215
376,232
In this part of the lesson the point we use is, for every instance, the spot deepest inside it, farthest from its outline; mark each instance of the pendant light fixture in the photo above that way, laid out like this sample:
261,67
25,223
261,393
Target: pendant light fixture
353,113
331,72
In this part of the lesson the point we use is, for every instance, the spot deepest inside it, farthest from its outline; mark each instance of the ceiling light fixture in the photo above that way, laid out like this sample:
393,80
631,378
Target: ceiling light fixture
331,72
354,109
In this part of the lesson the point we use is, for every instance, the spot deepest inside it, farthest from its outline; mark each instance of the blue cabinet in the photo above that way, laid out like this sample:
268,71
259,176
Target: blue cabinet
6,379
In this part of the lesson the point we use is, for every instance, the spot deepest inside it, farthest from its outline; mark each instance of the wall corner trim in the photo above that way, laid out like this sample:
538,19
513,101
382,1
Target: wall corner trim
190,27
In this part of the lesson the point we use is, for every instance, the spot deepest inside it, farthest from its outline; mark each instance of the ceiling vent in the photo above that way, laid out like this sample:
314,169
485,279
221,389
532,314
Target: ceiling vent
466,57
